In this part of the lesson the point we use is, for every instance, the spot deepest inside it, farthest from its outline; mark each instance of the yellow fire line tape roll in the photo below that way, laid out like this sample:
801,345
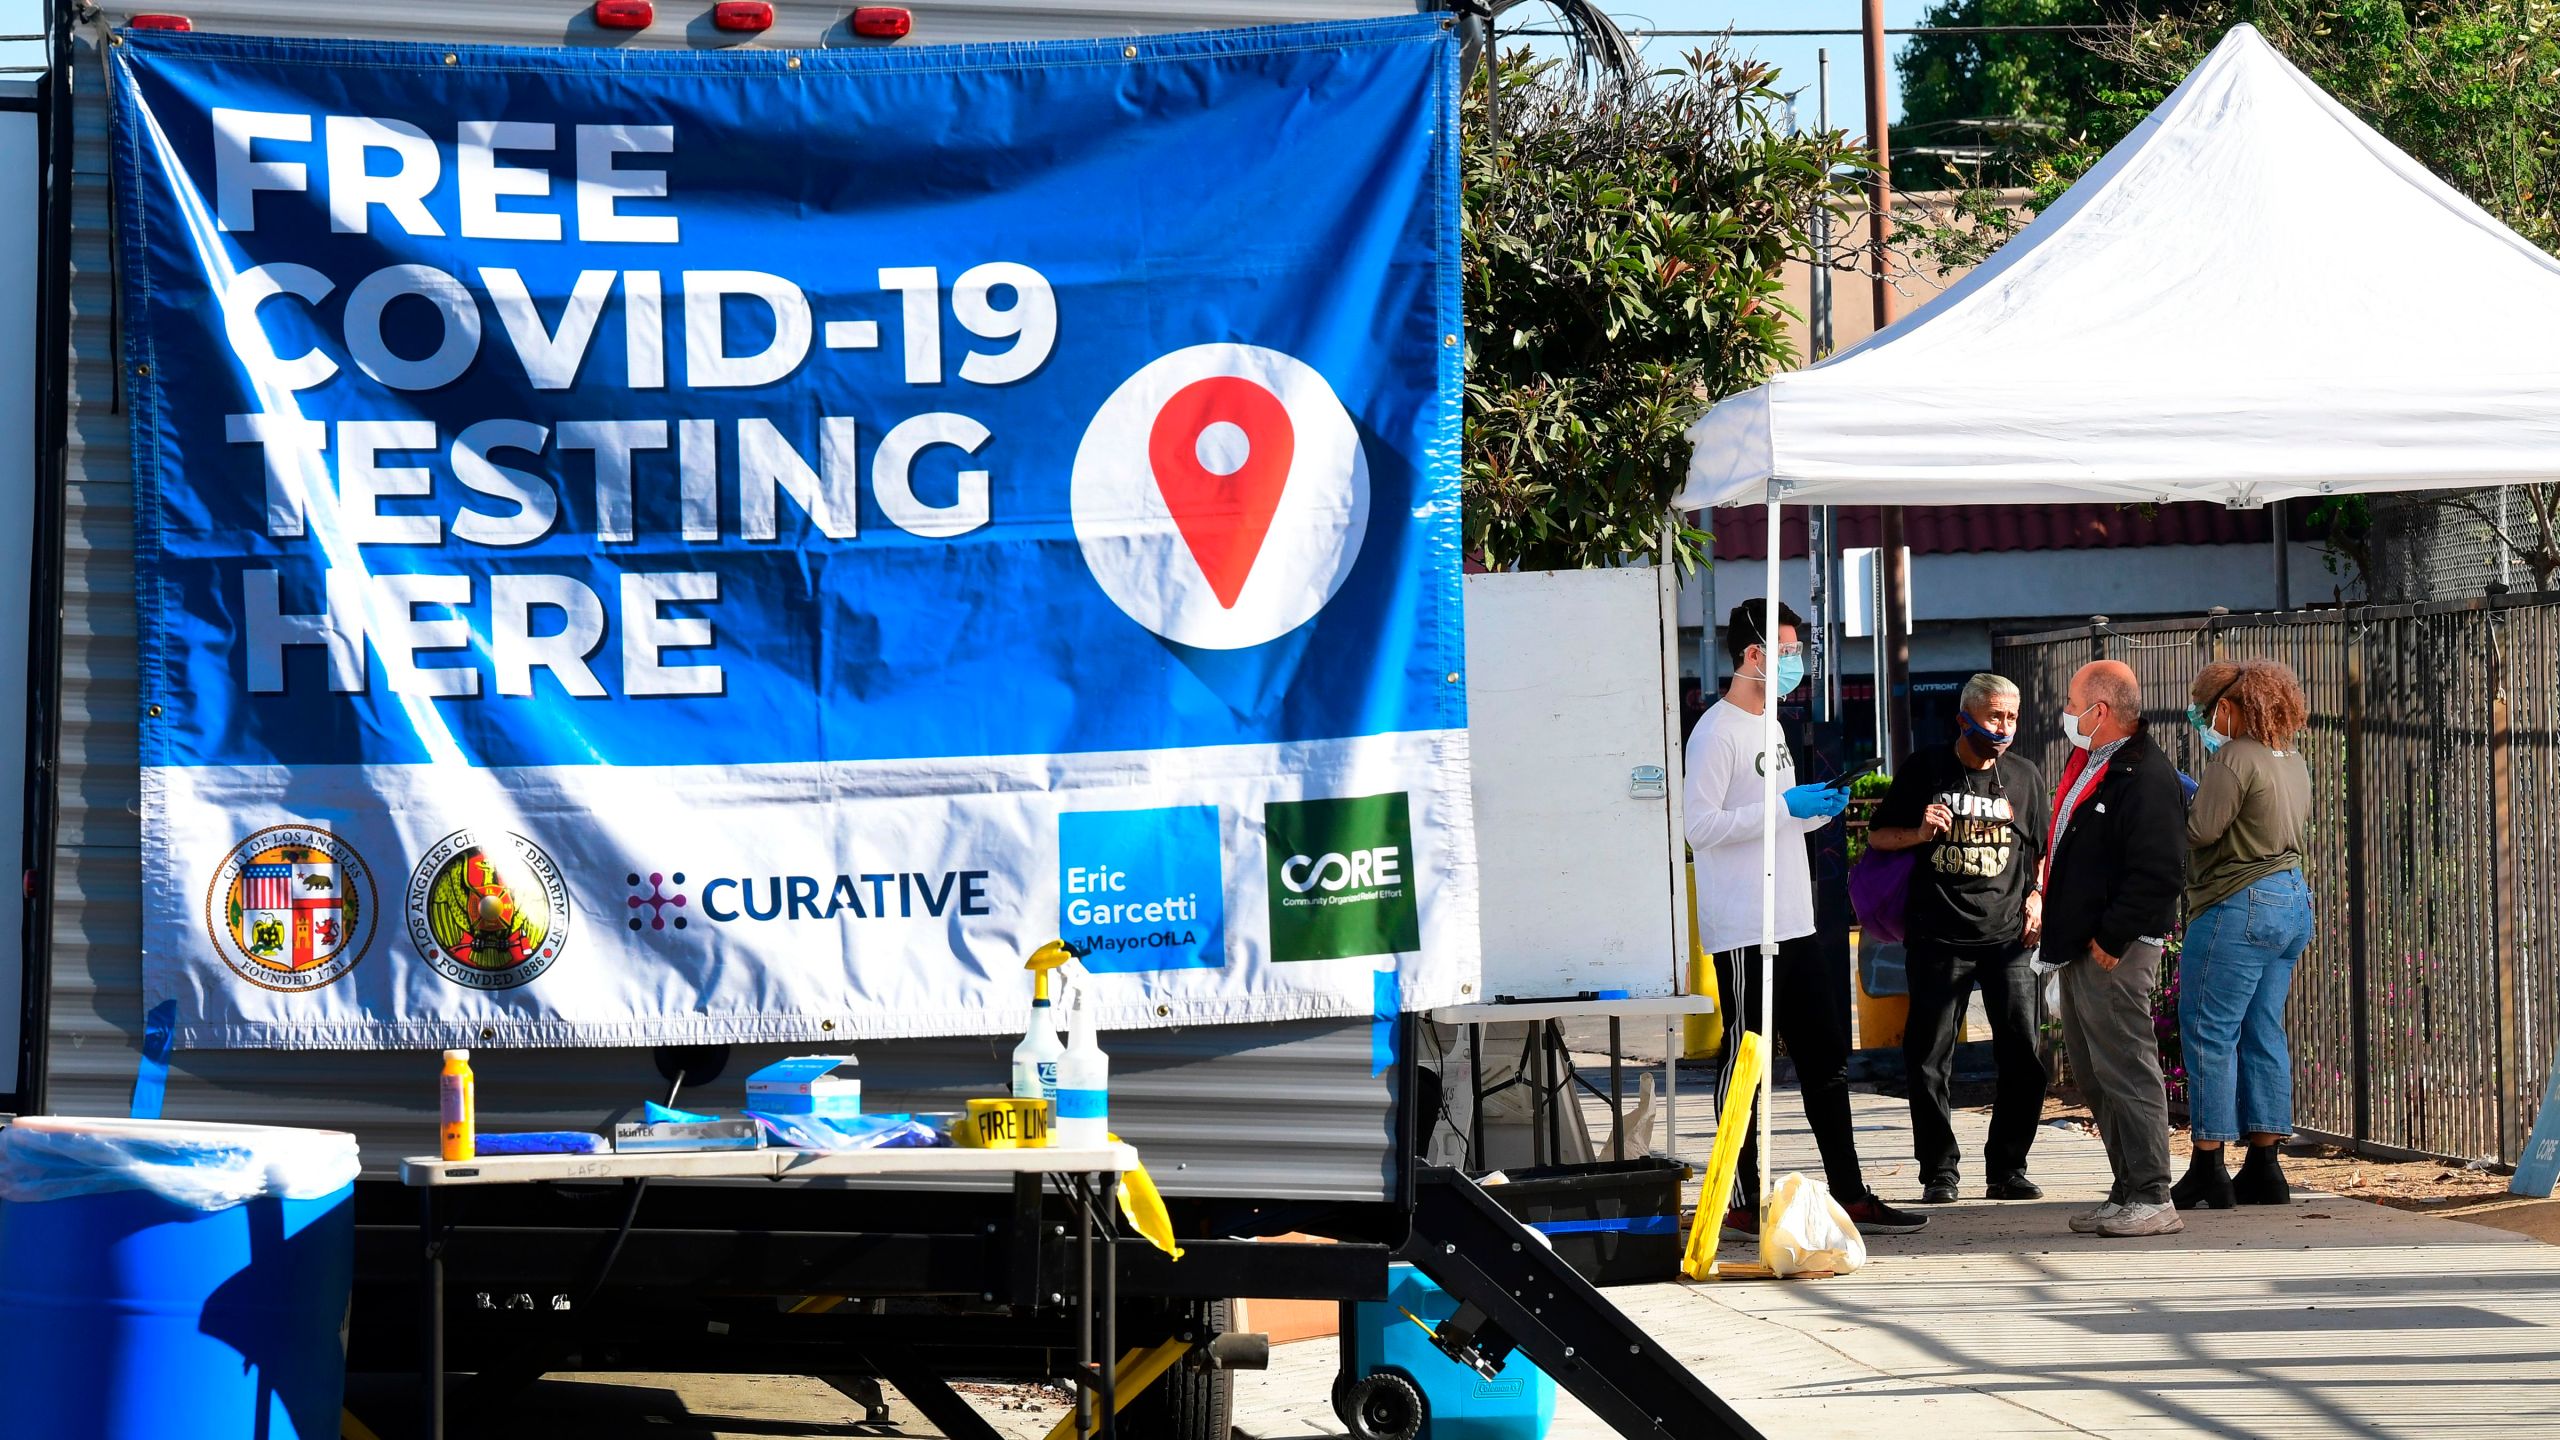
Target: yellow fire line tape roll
1750,1057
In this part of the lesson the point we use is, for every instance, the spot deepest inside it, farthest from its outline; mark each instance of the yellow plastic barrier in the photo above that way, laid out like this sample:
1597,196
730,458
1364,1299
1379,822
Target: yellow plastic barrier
1701,1036
1732,1123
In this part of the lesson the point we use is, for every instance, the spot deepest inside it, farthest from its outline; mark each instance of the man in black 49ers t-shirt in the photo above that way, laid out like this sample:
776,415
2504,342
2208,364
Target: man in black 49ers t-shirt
1976,815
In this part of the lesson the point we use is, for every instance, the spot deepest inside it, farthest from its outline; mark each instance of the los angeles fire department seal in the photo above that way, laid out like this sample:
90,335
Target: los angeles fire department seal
291,908
488,909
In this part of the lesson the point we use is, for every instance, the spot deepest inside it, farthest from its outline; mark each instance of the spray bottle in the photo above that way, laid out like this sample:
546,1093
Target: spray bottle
458,1138
1084,1085
1035,1060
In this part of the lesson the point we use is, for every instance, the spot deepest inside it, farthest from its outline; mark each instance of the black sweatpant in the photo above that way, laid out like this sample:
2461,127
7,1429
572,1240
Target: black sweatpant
1809,1021
1941,978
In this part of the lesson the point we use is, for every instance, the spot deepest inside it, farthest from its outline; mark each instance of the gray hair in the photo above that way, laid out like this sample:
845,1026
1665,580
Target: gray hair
1986,687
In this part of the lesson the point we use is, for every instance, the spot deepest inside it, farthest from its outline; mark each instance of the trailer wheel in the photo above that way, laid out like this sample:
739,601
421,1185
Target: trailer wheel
1382,1406
1191,1401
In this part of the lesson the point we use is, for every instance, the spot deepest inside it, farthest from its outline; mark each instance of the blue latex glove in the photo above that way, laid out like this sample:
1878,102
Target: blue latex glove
1810,802
2187,783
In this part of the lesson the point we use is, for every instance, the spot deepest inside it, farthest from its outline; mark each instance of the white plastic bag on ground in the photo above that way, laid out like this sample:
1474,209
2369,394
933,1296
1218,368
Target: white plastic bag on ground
1807,1230
201,1166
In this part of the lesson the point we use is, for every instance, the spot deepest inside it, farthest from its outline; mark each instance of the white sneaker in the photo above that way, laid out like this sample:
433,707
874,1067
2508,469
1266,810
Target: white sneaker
2088,1221
2142,1219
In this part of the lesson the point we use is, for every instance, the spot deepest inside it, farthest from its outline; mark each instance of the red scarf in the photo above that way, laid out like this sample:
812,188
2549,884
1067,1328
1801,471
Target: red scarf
2071,769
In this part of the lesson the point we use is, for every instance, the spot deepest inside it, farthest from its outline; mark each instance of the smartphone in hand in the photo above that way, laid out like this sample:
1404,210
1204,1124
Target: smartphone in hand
1847,778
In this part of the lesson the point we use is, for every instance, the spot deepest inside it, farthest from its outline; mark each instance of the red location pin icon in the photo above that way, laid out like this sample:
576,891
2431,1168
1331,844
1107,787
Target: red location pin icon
1221,450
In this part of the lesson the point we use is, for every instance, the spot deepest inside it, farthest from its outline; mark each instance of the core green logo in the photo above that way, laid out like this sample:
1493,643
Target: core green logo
1341,875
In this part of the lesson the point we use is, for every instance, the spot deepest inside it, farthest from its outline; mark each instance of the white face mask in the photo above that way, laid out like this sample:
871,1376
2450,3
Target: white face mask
2071,730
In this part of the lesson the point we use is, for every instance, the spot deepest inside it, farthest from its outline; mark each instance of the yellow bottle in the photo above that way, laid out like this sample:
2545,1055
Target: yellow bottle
458,1140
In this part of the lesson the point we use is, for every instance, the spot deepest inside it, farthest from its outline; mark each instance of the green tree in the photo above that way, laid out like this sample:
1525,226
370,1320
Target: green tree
2018,97
1623,257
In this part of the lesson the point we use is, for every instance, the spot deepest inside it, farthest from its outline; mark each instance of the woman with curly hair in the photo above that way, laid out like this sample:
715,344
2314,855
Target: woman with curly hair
2248,920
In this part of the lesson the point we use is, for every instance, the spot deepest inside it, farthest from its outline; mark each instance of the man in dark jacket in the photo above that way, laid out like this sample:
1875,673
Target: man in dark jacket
2118,862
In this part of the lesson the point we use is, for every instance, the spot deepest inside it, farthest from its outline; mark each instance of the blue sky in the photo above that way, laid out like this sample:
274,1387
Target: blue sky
1794,58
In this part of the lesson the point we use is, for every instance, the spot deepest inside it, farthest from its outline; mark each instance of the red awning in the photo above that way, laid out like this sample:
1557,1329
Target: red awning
1741,532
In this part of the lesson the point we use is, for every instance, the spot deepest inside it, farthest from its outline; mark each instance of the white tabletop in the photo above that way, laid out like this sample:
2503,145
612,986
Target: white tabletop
1499,1012
768,1163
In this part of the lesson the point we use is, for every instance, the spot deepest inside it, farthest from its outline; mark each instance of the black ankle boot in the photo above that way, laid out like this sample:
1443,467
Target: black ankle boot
2206,1186
2261,1178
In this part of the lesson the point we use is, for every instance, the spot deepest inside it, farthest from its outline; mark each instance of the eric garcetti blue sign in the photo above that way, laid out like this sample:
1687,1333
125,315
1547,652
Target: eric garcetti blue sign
756,424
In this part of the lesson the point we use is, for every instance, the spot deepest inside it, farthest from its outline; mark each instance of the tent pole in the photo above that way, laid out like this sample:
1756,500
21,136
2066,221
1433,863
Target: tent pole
1769,742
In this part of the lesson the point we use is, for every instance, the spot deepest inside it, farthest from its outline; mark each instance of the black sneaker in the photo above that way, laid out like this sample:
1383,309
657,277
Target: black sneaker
1938,1192
2013,1187
1874,1217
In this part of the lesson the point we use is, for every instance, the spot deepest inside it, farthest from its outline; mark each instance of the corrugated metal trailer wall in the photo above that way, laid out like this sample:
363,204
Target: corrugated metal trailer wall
1280,1112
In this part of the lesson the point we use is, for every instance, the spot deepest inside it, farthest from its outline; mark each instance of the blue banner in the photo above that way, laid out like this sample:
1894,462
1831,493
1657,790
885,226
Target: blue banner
657,544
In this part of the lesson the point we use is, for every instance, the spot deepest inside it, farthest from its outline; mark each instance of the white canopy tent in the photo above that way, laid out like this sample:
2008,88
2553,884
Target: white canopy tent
2253,297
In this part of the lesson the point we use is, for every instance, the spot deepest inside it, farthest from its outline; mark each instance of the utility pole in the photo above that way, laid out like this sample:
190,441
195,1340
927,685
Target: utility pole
1819,539
1896,627
2284,554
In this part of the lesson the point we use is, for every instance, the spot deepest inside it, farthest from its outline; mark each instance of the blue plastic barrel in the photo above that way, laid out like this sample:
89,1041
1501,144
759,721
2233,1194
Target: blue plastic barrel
142,1300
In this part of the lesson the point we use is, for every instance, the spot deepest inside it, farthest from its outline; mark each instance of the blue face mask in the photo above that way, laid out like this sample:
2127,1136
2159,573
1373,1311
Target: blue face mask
1983,735
2201,717
2213,739
1790,673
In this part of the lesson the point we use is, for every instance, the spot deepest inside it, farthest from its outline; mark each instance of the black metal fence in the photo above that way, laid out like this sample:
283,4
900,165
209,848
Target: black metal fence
2425,1015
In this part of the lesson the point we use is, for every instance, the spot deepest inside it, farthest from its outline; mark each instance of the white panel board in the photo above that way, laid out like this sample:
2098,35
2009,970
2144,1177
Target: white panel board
1566,699
20,282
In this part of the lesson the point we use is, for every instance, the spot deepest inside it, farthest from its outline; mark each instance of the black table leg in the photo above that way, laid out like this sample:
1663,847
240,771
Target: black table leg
1084,1305
1105,1194
1553,1034
1617,1098
431,1314
1475,1083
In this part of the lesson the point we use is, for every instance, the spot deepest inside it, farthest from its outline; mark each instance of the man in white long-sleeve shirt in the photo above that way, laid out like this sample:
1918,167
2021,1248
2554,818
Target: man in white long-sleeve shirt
1723,801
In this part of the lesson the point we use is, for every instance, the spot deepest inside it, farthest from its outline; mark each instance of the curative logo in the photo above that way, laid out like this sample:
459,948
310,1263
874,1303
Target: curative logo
291,908
1221,495
657,901
488,909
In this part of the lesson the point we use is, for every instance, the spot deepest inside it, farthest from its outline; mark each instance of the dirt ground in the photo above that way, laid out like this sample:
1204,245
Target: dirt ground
2479,1196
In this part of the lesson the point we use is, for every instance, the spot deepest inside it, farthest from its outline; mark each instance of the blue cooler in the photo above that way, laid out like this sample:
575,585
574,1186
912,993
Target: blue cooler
1457,1403
161,1280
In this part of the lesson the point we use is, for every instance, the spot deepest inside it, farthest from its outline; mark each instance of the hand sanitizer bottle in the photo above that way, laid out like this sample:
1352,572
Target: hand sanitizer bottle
1084,1085
1035,1060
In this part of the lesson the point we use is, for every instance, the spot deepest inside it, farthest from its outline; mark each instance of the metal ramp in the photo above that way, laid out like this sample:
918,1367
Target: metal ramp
1514,1294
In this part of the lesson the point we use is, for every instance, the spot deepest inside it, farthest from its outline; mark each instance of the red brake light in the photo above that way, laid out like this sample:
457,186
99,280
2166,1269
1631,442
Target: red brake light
160,22
748,15
625,14
883,22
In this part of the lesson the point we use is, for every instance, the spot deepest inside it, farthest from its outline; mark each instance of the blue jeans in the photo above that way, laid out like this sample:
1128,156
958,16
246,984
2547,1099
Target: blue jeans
2232,980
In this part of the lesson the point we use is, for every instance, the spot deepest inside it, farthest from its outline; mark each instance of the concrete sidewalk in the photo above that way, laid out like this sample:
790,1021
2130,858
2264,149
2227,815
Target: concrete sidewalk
2327,1317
